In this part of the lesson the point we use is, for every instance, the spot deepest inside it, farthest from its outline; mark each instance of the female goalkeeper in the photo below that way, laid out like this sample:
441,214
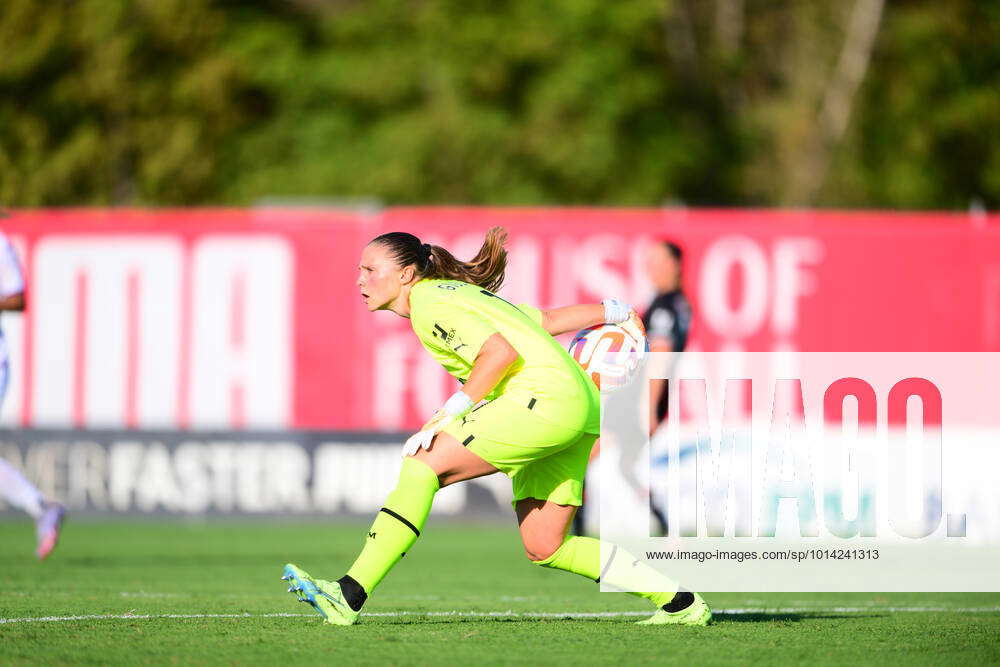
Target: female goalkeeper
539,420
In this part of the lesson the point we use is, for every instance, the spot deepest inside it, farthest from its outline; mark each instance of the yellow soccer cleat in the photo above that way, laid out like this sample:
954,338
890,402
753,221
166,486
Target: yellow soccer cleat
697,613
324,596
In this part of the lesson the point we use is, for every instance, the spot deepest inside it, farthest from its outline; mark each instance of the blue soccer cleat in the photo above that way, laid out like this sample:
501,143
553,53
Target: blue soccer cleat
324,596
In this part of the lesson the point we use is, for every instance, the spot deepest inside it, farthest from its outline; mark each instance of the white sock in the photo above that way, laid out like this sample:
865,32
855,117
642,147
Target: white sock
19,492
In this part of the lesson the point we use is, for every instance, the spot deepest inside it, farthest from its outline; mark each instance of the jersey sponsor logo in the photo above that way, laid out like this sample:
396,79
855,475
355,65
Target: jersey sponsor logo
454,341
449,337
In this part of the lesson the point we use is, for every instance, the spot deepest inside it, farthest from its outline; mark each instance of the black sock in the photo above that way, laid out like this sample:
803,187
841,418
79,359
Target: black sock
353,592
681,601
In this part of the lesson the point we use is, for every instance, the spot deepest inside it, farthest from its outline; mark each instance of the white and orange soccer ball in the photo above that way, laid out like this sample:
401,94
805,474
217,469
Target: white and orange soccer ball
610,354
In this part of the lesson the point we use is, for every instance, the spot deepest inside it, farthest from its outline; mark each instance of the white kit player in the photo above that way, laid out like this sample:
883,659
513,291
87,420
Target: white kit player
14,488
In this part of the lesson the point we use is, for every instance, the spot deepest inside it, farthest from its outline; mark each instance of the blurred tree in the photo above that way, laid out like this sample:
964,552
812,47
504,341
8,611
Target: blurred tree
113,101
635,102
926,132
568,101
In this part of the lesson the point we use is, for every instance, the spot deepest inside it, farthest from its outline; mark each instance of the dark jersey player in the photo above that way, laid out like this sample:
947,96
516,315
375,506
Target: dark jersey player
668,318
667,322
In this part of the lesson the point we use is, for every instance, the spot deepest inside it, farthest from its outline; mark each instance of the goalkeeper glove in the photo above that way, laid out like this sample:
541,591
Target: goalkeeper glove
618,312
458,404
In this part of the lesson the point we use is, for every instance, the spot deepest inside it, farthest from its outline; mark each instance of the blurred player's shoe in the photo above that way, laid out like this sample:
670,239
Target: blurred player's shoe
324,596
47,528
697,613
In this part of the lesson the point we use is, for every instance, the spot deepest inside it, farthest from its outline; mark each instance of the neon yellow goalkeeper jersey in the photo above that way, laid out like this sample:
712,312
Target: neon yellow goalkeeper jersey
453,319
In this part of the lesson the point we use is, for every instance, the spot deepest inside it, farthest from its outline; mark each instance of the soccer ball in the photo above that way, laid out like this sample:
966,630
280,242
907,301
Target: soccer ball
610,351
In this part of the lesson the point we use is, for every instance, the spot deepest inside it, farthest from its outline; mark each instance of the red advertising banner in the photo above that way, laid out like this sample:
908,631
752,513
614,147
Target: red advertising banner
230,319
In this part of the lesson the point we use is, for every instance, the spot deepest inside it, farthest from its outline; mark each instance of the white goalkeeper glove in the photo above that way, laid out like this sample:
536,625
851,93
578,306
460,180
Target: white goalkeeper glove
618,312
458,404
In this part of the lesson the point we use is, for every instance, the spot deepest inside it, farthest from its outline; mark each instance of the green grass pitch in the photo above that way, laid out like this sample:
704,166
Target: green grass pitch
220,582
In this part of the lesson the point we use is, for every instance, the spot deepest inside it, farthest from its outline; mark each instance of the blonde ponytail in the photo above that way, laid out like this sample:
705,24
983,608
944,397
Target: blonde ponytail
486,269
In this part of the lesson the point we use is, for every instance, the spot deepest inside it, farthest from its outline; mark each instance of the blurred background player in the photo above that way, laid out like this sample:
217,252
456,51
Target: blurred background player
15,489
526,408
667,321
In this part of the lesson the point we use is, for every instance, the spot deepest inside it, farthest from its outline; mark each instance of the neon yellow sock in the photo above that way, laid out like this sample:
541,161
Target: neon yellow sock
582,555
397,525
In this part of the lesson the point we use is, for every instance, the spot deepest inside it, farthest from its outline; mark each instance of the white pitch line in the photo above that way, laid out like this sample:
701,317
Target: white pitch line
512,614
139,617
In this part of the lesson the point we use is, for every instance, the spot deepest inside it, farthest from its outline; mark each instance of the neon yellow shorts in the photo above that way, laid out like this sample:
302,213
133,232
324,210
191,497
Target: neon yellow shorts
543,460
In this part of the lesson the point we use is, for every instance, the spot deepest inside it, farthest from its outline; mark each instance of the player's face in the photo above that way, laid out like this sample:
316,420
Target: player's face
378,277
663,270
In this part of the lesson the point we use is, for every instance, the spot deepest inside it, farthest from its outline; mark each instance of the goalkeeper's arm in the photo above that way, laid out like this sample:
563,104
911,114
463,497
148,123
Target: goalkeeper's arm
573,318
495,356
492,362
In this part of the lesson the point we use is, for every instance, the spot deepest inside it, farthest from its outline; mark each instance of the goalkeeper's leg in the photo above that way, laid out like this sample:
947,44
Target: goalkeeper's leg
394,531
398,524
544,526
